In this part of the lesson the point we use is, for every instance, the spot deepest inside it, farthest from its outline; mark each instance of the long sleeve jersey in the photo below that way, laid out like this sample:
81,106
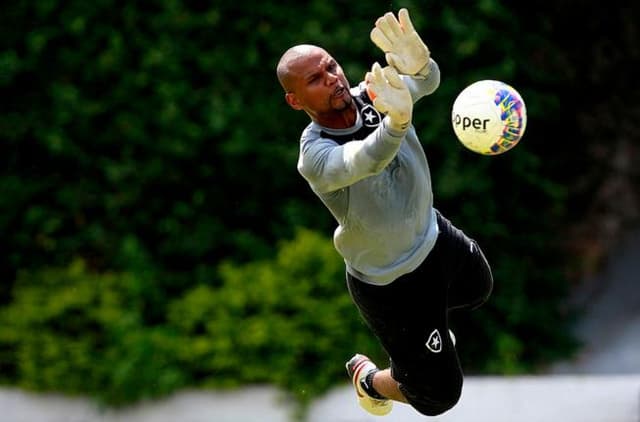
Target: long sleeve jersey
376,183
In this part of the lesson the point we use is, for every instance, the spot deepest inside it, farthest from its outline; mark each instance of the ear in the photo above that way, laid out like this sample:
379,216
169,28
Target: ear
292,100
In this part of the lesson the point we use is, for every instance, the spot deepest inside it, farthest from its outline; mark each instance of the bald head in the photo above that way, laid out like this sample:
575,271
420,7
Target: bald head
314,82
288,60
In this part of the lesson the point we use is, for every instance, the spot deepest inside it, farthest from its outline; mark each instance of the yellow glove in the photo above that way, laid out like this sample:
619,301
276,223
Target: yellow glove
403,47
390,95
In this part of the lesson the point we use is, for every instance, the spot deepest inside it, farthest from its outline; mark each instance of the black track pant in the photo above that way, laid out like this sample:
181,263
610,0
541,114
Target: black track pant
409,317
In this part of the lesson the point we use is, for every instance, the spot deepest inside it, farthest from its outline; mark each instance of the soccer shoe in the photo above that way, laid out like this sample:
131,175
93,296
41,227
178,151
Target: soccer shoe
358,367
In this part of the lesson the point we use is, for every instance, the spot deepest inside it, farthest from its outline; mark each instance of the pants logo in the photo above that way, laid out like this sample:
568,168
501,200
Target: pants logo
434,343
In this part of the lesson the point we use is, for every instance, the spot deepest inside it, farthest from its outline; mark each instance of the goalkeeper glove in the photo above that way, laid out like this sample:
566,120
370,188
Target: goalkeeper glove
403,47
390,95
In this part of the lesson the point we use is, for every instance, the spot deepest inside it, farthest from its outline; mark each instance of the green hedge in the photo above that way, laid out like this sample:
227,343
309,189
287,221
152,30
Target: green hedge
288,322
77,332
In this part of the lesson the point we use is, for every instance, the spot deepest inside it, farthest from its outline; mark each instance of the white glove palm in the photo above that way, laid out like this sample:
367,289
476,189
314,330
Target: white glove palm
390,95
403,47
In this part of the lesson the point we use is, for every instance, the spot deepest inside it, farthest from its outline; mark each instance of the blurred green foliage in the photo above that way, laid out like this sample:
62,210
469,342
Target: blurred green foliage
285,321
75,331
156,234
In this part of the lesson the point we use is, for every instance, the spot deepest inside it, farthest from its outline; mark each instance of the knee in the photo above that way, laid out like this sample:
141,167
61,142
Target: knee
438,407
431,404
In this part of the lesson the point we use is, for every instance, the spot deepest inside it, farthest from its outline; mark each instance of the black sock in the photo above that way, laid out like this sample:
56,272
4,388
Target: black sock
367,385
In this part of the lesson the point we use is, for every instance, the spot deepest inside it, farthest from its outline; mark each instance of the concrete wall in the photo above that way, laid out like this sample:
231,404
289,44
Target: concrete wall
559,398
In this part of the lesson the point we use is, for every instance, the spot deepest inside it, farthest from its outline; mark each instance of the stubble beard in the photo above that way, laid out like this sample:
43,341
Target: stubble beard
345,104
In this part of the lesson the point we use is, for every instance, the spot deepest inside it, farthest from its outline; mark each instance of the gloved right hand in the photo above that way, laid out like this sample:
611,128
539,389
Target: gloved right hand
390,95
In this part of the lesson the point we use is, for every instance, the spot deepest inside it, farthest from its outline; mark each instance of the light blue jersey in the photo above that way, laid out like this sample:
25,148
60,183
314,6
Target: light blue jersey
376,183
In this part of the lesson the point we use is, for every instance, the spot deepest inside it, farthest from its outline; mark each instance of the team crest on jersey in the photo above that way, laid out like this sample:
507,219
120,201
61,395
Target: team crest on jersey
434,343
370,116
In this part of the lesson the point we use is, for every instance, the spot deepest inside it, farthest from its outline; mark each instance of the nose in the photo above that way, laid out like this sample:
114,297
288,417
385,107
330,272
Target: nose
331,78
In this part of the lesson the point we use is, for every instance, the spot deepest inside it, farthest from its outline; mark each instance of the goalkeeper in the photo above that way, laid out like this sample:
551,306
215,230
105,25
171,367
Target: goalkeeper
407,266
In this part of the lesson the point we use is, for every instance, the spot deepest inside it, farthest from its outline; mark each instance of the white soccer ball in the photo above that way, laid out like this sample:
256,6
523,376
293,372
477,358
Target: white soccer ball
489,117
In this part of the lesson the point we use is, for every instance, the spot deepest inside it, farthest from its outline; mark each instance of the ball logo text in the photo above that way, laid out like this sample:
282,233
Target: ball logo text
468,122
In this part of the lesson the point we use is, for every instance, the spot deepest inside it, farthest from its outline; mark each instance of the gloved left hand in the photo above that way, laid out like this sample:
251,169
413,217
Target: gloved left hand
403,47
390,95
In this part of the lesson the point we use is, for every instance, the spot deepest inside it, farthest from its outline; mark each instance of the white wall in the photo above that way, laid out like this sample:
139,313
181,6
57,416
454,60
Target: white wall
560,398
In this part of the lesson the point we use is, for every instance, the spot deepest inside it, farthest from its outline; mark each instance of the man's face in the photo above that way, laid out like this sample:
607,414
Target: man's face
319,86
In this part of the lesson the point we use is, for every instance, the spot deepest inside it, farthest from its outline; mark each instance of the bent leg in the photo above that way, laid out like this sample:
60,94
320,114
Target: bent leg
409,317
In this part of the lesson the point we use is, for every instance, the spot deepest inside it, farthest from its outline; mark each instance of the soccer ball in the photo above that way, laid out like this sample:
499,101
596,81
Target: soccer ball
489,117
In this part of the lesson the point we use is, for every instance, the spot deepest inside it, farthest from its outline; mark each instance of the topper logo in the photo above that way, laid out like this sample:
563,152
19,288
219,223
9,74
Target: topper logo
468,122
